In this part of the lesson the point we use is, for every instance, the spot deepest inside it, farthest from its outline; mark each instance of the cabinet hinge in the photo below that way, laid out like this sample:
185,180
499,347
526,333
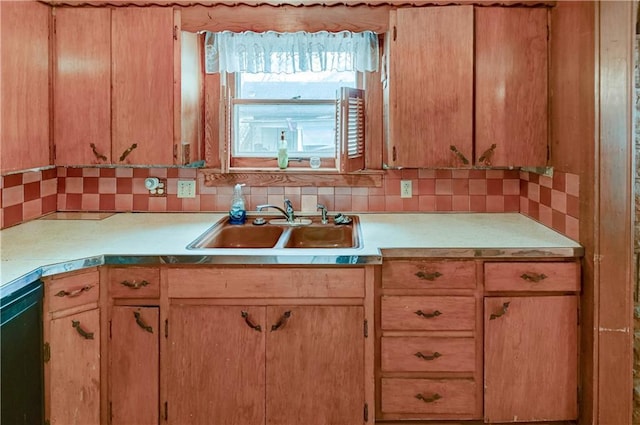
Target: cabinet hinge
110,334
366,412
394,154
166,411
166,328
55,156
46,352
110,412
175,32
366,329
395,32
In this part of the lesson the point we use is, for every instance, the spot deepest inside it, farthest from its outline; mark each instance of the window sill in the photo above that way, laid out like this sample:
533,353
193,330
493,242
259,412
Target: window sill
290,177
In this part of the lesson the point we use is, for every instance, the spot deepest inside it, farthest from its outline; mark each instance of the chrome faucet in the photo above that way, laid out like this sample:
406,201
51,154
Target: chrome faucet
288,212
323,211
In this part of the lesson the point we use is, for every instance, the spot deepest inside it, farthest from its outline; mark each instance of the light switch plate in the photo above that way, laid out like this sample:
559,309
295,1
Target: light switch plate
186,188
405,189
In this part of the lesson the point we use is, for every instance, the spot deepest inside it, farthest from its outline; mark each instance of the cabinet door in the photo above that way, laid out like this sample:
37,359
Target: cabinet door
134,365
430,87
74,369
216,365
143,70
315,365
24,75
531,358
511,86
82,86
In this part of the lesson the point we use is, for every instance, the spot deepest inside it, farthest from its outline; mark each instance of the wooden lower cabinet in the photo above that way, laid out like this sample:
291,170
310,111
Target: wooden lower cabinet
74,369
133,365
278,365
531,358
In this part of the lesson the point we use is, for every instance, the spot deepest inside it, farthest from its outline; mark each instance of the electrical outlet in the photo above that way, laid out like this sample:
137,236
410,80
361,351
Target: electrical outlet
405,189
186,188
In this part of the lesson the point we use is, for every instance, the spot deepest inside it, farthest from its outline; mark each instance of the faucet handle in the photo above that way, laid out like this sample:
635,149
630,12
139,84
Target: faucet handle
323,211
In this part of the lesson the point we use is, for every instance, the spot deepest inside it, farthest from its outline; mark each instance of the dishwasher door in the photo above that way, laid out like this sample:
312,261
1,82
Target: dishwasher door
21,356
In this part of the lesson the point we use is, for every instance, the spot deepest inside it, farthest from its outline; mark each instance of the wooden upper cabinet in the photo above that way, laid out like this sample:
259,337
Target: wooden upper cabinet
429,87
511,86
143,85
82,86
24,70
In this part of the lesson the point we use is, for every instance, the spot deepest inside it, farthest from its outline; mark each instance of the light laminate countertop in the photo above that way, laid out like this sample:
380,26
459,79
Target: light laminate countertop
48,246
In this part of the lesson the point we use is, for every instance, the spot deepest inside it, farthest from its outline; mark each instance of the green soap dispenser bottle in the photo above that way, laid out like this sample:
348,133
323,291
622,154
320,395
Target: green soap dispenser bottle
283,155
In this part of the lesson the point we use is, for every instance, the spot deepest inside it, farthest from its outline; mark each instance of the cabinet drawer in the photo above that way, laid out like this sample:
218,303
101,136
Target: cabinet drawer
429,274
428,396
428,354
428,313
71,291
262,282
532,276
134,282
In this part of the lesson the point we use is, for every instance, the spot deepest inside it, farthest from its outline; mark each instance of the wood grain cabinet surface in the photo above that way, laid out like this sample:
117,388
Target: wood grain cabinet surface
531,341
466,86
430,344
72,345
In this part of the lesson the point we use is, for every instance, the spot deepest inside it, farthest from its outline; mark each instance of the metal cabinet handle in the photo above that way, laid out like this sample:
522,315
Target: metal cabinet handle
501,313
126,153
533,277
82,332
459,154
141,322
428,275
434,397
435,313
427,357
282,321
249,323
97,154
485,158
134,284
74,293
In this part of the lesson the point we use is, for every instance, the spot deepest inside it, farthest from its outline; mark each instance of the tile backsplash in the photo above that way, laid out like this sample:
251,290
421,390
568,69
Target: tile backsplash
552,201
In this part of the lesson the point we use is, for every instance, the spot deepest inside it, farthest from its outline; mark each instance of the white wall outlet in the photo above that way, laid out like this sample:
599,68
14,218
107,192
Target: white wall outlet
186,188
405,189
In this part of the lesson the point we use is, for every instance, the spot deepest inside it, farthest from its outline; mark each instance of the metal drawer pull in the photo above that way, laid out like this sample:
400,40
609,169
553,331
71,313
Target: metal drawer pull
533,277
249,323
428,276
126,153
134,284
428,357
459,154
82,332
141,322
282,321
485,158
436,313
74,293
431,399
97,154
505,306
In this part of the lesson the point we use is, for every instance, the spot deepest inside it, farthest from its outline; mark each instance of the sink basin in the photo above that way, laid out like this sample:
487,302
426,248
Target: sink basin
334,236
234,236
279,234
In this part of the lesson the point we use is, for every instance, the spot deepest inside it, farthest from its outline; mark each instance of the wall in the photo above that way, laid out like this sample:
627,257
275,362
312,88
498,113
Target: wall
552,201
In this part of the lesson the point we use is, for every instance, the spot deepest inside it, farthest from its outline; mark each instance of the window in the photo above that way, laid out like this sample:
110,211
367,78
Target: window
307,88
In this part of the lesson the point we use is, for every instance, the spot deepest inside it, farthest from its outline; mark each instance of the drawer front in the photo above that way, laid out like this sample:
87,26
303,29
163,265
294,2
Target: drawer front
72,291
261,282
428,396
134,282
428,354
532,276
429,274
428,313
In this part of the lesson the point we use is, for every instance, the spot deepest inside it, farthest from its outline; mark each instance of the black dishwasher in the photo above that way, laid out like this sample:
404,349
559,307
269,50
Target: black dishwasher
21,362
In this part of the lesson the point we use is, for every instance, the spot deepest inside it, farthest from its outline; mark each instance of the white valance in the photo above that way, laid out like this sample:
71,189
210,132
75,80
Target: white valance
274,52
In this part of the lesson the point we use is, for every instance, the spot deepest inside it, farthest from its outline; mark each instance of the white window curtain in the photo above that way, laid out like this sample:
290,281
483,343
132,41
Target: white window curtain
274,52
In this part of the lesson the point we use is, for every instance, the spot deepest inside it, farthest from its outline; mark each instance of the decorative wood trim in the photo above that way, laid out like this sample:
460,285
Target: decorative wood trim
287,178
299,3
